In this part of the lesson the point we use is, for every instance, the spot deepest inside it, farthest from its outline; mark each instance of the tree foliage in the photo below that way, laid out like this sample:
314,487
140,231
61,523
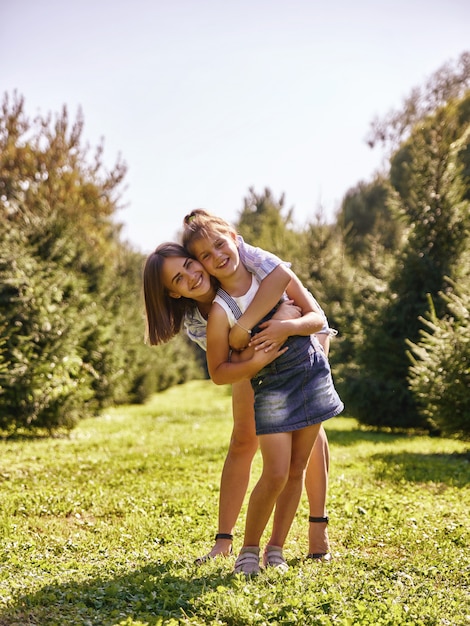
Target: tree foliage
449,82
428,174
439,376
71,323
264,220
367,218
395,242
46,381
396,258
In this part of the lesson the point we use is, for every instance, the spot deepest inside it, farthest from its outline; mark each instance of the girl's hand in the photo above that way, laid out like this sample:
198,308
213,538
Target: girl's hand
238,338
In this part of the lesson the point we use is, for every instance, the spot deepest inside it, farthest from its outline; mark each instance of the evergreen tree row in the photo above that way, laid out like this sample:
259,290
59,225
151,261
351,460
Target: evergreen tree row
71,319
392,273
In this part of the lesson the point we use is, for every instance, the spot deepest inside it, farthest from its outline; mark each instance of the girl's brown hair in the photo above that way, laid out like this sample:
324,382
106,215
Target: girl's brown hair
201,224
164,314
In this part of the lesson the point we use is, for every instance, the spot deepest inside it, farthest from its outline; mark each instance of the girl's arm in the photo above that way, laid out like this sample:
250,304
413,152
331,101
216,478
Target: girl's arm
273,275
221,369
268,295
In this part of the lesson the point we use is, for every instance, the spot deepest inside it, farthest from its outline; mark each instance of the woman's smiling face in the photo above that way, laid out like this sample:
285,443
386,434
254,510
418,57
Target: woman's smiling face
186,277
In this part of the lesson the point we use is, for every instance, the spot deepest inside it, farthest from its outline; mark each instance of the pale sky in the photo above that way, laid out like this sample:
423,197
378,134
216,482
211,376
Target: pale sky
204,99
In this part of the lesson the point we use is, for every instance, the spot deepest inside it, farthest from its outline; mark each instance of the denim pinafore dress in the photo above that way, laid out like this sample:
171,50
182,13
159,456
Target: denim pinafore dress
294,391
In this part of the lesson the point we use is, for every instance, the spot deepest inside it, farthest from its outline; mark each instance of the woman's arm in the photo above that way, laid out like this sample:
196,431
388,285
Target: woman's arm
276,330
324,342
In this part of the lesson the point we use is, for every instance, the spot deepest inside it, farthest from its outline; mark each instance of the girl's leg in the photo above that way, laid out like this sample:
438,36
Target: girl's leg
237,466
316,485
276,450
288,501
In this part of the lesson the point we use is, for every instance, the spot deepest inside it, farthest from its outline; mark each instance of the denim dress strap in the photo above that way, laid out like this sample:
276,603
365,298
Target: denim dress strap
227,298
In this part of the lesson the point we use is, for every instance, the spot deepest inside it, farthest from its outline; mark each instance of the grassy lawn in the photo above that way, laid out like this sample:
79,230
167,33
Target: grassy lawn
102,527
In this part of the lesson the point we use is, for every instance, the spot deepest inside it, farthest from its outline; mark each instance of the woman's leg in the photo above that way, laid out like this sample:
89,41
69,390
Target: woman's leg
288,501
237,466
316,485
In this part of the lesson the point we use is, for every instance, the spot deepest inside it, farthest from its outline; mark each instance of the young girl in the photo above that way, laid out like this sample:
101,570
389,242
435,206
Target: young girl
178,290
293,394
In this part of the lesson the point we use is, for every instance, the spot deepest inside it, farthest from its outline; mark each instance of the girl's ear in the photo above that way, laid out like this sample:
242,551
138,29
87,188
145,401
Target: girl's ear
173,294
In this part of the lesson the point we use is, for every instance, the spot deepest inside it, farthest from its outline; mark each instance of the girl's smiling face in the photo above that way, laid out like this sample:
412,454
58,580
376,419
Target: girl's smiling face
186,277
218,254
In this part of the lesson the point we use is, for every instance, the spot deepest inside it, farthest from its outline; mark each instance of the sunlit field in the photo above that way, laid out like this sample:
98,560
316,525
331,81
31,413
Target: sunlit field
102,527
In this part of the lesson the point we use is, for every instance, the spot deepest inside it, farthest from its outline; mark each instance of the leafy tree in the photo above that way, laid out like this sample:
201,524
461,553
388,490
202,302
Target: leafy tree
368,220
449,82
262,223
45,381
428,174
56,211
351,288
71,323
440,373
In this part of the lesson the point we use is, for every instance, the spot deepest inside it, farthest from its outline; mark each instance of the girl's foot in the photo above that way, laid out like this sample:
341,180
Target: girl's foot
318,541
247,561
272,557
222,546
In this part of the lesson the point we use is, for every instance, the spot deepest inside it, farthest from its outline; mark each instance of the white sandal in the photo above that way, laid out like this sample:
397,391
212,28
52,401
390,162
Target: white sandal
272,557
247,561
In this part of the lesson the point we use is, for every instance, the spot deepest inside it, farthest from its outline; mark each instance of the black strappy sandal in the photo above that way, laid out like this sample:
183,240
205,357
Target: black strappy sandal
319,556
207,557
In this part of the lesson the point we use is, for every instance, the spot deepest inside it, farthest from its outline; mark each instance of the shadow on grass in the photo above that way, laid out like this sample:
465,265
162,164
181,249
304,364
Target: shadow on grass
449,469
362,434
148,594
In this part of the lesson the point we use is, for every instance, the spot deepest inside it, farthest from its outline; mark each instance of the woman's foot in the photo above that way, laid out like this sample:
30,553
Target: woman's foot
222,547
318,541
247,561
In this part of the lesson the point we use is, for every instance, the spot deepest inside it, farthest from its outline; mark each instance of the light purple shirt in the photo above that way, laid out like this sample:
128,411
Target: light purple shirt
261,264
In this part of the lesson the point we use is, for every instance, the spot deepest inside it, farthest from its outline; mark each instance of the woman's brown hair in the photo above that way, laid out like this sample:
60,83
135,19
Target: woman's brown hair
164,314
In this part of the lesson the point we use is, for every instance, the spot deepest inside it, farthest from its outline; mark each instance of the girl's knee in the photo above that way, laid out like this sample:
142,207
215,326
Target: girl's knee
275,481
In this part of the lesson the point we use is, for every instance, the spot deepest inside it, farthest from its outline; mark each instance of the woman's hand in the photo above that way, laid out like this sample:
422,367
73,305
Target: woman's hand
272,335
287,310
258,359
261,358
274,332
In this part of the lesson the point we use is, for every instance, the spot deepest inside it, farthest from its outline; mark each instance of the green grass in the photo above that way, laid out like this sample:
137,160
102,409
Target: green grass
102,527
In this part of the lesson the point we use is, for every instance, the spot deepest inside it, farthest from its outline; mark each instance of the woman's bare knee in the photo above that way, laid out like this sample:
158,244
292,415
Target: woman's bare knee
243,445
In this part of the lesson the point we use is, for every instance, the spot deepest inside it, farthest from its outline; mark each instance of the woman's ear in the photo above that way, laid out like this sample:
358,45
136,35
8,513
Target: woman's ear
173,294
